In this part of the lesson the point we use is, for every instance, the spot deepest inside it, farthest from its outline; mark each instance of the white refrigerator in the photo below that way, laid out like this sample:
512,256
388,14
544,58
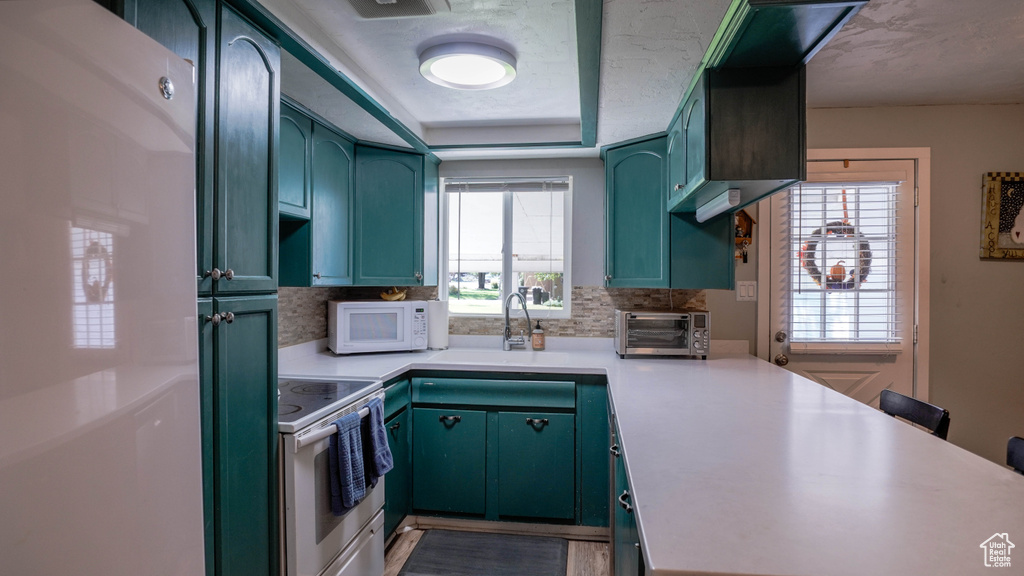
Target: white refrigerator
100,460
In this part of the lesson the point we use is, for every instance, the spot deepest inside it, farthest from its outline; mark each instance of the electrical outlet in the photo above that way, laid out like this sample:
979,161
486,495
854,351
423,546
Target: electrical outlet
746,291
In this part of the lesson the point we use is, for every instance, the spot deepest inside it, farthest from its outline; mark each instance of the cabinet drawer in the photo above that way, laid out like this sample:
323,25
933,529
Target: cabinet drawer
396,397
506,393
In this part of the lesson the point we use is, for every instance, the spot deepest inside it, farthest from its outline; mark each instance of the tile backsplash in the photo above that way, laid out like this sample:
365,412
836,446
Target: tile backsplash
302,312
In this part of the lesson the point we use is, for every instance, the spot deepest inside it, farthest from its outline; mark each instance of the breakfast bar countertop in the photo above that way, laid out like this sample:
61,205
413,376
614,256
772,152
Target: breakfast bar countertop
739,467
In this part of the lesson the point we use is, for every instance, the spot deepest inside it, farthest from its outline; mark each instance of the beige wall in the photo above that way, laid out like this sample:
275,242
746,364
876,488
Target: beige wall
977,307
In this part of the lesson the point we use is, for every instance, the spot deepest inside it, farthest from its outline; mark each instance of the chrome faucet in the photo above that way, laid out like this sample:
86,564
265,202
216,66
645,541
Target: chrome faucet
508,341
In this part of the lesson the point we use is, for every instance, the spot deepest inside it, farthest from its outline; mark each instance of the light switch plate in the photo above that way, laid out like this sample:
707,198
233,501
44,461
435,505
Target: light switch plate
746,291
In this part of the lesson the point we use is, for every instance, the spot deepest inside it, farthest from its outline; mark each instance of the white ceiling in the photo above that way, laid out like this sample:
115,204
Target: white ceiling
894,52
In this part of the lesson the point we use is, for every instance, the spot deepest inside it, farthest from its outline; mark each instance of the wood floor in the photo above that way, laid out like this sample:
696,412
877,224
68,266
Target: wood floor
585,558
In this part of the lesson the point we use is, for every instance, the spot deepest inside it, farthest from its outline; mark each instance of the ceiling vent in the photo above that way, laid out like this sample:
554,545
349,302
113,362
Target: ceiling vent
374,9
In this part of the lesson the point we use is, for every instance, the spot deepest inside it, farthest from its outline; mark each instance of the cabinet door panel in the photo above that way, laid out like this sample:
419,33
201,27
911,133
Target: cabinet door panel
296,131
624,532
397,483
676,154
448,460
637,224
536,465
186,27
245,436
247,135
388,218
333,160
694,127
206,407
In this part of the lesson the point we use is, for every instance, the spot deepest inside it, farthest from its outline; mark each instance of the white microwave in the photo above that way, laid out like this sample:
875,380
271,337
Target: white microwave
376,326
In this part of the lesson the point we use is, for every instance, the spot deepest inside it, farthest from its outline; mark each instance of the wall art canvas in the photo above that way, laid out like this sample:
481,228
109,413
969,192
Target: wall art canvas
1002,216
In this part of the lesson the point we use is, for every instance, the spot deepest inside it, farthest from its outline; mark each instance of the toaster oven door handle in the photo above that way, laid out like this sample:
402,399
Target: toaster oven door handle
655,316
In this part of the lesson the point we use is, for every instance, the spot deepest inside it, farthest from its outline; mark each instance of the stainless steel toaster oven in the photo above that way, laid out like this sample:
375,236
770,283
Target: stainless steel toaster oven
662,333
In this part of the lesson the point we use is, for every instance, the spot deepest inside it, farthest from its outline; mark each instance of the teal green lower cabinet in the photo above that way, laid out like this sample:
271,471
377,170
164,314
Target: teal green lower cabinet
397,481
626,554
449,452
244,398
536,465
592,479
206,381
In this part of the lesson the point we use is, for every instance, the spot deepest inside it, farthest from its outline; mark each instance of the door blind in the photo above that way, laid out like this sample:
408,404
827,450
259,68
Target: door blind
842,259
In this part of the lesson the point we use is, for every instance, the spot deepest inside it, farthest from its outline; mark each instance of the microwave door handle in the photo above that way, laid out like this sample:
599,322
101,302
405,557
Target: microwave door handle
656,317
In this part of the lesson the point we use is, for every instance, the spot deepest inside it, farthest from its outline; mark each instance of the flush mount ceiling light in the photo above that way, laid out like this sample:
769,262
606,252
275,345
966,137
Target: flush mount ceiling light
467,66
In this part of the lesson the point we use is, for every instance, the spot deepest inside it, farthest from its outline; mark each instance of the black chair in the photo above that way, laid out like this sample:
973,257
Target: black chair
1015,454
935,419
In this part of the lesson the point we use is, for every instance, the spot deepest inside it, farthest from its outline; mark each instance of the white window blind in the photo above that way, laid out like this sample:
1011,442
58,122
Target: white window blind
508,235
842,259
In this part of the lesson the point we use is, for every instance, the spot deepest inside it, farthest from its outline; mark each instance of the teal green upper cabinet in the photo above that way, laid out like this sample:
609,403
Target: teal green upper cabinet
316,251
536,465
757,33
637,225
333,164
188,28
245,435
744,129
245,207
646,247
676,144
448,464
296,146
389,205
703,254
744,115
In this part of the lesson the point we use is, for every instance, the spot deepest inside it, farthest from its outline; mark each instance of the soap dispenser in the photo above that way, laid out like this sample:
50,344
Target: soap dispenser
538,337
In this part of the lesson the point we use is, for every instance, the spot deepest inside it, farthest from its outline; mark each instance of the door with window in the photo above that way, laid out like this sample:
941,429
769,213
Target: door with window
843,277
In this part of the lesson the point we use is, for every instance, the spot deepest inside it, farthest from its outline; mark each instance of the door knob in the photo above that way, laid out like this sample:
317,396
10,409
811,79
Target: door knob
781,359
780,336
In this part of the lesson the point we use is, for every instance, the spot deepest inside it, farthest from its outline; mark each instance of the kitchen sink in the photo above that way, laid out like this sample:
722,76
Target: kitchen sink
500,357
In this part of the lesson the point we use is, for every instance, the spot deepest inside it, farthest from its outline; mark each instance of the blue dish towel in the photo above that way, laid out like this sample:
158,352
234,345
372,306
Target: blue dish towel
381,461
348,480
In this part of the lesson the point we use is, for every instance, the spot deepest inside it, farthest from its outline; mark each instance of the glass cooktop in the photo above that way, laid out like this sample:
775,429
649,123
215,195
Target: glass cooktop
303,402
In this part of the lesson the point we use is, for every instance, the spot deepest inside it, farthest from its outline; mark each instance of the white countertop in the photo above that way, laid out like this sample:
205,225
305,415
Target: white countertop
740,467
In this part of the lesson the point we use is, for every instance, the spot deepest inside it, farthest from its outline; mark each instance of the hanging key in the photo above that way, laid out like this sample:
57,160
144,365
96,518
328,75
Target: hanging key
743,251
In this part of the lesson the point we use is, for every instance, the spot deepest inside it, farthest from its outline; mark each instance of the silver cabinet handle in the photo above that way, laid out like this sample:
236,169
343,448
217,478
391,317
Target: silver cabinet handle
608,278
450,419
623,502
317,275
216,274
615,450
396,425
216,319
535,421
419,276
679,186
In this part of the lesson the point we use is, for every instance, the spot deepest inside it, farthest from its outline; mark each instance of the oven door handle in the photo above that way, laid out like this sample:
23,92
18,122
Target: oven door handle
322,433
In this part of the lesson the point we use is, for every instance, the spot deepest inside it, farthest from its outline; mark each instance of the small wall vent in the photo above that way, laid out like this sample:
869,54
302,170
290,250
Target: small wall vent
374,9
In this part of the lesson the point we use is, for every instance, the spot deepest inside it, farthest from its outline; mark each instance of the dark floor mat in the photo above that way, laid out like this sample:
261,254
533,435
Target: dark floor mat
451,553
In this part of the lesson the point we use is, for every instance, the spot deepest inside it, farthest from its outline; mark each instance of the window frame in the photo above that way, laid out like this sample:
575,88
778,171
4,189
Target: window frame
506,259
